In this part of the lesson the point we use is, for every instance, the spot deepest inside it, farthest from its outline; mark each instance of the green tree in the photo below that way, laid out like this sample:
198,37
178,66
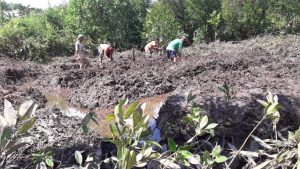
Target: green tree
160,22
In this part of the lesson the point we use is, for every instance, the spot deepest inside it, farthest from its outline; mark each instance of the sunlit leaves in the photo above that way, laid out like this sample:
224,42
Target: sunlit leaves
128,131
78,157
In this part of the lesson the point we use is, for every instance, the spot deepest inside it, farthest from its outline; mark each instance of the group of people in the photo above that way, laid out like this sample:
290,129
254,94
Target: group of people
106,50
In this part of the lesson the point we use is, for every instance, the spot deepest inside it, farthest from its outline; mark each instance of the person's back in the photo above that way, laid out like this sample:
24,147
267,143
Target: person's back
150,45
106,50
174,48
104,46
175,45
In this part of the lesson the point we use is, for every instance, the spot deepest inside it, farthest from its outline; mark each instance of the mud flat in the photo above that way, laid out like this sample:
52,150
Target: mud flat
251,67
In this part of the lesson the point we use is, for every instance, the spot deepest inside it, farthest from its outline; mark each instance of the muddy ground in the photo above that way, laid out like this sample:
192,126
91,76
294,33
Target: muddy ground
250,67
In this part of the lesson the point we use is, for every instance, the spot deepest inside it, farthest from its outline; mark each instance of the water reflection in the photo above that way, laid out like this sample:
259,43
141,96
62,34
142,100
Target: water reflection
153,105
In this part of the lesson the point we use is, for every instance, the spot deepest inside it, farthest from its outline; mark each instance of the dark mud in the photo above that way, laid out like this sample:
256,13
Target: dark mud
250,67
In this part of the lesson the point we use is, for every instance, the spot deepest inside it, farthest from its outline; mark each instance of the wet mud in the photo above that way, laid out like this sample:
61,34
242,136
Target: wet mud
251,68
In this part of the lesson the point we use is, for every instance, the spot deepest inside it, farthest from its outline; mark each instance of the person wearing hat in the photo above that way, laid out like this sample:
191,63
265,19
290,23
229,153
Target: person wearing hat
150,47
80,52
174,48
106,50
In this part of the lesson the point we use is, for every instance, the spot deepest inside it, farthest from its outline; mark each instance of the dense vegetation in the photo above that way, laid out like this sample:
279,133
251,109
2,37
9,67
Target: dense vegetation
35,34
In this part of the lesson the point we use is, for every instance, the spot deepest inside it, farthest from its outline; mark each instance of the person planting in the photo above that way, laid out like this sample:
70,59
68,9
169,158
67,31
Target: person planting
106,50
151,47
174,48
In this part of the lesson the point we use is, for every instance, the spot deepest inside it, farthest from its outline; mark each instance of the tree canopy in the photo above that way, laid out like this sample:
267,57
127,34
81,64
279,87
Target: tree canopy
34,33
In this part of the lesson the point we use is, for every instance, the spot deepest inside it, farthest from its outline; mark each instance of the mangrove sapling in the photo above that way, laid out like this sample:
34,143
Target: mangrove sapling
182,154
13,125
271,107
227,91
134,148
43,158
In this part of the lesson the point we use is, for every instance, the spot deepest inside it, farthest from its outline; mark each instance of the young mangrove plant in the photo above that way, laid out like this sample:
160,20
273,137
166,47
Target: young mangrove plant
271,107
129,128
182,155
14,124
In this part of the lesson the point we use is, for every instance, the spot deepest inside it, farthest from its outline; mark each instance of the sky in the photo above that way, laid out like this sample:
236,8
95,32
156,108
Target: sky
38,3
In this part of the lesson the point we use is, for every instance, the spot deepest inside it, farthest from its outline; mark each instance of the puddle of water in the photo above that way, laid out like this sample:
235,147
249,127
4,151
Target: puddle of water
153,105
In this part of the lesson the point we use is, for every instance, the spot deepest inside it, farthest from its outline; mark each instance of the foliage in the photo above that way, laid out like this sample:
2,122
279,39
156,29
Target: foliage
35,37
271,107
160,22
227,91
129,131
111,21
43,157
184,154
9,11
14,125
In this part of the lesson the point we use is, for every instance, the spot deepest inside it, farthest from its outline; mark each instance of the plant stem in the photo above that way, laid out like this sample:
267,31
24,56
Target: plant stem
246,141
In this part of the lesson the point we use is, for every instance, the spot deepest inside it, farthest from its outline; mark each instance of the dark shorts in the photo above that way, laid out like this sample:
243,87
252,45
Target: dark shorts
171,54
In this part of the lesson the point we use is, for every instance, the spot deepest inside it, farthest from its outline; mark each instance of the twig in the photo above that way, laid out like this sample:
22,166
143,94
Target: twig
246,141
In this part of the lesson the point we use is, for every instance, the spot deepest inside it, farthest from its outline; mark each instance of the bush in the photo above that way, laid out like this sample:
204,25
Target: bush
36,37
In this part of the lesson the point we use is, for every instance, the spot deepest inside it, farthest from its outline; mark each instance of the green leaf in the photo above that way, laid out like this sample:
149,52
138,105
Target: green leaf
154,143
187,119
272,109
94,117
85,128
211,126
220,159
49,162
186,154
78,157
186,147
6,133
137,117
205,156
131,160
172,145
264,103
118,108
216,151
109,117
113,130
27,109
24,128
131,109
147,152
203,122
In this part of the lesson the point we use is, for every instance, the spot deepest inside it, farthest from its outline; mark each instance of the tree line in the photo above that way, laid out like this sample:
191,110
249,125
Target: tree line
40,34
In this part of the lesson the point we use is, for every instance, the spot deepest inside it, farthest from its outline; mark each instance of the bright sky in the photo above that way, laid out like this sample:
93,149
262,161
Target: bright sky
39,3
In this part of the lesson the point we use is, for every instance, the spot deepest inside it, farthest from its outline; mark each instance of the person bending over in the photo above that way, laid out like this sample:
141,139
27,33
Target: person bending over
106,50
174,48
